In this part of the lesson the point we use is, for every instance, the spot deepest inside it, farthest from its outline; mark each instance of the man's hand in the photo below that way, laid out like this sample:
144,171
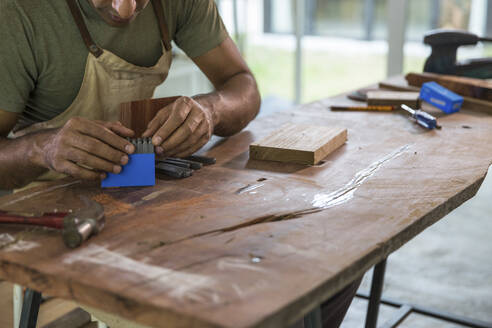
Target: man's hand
86,149
181,128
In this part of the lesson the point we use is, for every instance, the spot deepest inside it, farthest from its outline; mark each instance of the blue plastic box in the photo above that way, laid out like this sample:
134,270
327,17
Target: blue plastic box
440,97
140,171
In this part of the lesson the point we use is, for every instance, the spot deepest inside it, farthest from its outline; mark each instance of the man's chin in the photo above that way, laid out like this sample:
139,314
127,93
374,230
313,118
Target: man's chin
118,21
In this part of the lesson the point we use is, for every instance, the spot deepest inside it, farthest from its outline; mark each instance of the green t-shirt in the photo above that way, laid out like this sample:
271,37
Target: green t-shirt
43,57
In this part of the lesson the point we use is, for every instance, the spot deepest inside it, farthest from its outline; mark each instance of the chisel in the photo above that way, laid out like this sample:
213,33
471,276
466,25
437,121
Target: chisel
173,171
201,159
422,118
192,164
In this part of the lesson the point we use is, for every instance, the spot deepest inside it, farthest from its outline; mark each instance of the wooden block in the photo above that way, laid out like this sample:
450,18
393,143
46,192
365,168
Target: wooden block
303,144
393,98
136,115
53,309
76,318
463,86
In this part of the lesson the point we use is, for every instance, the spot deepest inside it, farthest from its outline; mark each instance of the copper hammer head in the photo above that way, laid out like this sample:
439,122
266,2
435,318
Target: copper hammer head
81,224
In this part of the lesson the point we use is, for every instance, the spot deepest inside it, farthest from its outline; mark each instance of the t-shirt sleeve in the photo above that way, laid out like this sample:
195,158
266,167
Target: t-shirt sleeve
17,64
199,27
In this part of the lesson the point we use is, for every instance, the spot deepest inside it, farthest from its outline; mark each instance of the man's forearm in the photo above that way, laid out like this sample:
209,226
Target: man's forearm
234,104
20,160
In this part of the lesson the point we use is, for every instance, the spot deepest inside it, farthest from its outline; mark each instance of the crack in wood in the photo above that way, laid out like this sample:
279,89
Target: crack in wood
321,202
261,220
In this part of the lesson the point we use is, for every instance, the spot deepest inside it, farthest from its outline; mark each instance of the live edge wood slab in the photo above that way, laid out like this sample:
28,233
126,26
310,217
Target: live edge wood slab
247,243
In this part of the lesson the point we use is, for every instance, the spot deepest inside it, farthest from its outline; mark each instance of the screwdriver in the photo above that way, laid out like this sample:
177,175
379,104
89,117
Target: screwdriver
424,119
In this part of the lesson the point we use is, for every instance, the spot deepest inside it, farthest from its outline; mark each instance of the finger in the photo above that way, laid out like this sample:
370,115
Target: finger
184,132
194,148
81,157
121,130
188,143
80,172
179,113
154,125
105,135
100,149
117,128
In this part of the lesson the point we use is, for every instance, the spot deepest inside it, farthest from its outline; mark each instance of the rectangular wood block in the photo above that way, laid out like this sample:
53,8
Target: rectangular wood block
136,115
393,98
302,144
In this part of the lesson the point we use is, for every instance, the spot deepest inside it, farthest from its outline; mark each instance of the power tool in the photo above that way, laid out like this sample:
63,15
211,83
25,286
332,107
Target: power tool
443,58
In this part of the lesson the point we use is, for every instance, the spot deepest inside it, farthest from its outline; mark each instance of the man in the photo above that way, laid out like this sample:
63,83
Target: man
66,65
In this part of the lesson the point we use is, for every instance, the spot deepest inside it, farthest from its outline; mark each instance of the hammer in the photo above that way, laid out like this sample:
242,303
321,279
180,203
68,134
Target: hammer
76,227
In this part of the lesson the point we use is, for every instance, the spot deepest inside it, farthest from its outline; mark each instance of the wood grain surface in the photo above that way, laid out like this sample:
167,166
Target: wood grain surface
393,98
136,115
465,86
247,243
299,143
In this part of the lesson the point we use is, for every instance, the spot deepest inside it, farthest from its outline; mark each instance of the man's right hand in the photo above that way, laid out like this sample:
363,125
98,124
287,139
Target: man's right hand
86,149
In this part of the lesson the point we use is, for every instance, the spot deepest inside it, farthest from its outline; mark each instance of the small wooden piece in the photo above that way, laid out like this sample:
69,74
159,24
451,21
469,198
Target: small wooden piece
75,318
136,115
393,98
303,144
463,86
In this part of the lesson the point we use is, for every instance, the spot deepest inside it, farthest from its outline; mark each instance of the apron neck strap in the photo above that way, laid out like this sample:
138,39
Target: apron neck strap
159,13
94,48
86,36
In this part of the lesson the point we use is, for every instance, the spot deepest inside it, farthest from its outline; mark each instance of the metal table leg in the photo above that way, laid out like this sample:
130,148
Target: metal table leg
30,309
313,318
398,318
405,309
429,312
375,296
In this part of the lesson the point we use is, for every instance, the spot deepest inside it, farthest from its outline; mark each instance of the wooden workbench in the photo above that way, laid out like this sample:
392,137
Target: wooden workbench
248,243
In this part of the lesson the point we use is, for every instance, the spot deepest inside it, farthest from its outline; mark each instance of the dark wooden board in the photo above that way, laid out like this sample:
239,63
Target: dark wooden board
136,115
393,98
248,243
465,86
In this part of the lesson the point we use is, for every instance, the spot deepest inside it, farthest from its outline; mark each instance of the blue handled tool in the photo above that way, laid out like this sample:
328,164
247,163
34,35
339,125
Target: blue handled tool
140,170
424,119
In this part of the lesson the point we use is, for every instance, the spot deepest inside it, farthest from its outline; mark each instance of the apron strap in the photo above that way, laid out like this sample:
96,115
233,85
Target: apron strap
86,36
94,48
159,12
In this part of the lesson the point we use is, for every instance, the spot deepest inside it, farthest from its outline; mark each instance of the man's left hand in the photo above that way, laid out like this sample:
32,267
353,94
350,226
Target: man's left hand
181,128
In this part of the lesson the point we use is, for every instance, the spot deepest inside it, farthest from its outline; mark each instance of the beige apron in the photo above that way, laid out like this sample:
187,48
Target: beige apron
108,81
